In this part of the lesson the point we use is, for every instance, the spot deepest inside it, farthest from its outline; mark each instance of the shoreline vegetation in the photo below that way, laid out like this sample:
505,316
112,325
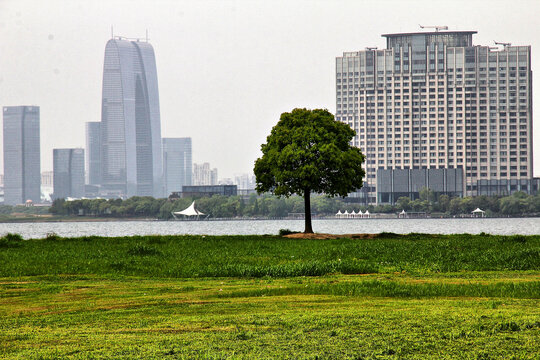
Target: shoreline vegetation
379,296
270,207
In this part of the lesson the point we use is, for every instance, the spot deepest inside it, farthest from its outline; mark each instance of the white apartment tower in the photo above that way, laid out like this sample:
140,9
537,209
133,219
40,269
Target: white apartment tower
433,100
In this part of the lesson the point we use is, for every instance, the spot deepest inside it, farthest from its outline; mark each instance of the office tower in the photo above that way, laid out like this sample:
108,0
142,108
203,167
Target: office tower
93,153
177,165
22,167
130,126
203,175
433,100
68,169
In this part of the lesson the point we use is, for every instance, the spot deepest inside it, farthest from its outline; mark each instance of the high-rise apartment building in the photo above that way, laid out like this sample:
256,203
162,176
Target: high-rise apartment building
203,175
177,164
22,163
131,157
434,100
68,170
93,153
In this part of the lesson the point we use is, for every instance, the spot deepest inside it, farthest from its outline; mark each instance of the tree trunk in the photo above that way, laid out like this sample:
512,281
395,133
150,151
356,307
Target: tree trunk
307,211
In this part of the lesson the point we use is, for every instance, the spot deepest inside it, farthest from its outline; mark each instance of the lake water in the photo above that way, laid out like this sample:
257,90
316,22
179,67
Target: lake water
501,226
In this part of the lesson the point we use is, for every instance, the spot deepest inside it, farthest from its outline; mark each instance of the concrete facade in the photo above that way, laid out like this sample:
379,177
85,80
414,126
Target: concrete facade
436,100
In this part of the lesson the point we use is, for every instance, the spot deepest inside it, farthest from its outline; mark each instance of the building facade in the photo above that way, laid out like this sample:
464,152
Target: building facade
68,172
131,157
197,191
177,164
204,175
22,162
93,153
436,100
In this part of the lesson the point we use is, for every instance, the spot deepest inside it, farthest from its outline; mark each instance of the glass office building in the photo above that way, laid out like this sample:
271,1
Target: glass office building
131,157
22,163
177,164
68,173
93,153
434,100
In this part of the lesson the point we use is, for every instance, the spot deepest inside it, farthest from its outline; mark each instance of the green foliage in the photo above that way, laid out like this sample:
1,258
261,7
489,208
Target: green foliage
267,205
309,150
11,240
283,232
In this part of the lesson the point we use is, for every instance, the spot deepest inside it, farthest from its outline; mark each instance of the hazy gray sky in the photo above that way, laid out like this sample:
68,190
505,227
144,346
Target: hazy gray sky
226,69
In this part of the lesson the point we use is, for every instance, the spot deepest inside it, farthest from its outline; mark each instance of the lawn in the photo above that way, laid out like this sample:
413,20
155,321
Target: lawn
393,297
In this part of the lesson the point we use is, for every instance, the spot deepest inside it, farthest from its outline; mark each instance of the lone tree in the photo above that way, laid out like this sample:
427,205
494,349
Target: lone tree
309,152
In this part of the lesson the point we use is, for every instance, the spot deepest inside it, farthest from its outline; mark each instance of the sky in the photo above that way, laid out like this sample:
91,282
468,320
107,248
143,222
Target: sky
226,69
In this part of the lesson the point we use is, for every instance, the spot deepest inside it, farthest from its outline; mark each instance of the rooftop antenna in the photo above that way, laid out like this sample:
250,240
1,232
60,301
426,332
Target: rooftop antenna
503,44
146,35
112,32
371,48
436,27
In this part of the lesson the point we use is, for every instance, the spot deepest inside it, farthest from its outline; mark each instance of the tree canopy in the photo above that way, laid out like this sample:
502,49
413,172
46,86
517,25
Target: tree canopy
308,152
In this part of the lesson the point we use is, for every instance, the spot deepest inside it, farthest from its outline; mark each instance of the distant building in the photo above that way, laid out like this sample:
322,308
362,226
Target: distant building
93,153
435,100
395,183
22,166
177,164
68,170
203,175
131,156
226,181
47,179
245,181
208,191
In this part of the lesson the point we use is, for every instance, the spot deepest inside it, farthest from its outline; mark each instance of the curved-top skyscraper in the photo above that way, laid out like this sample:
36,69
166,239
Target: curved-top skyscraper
130,121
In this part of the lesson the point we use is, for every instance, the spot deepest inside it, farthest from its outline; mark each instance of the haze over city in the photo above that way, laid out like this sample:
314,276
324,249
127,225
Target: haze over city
226,69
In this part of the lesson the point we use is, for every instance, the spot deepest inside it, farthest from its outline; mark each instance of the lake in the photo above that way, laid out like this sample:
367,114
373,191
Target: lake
500,226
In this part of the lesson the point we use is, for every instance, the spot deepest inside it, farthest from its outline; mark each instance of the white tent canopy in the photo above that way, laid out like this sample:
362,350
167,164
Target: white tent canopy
190,211
478,212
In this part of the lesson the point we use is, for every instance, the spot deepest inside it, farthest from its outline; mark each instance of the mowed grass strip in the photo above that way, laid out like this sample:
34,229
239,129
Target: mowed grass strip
266,256
78,317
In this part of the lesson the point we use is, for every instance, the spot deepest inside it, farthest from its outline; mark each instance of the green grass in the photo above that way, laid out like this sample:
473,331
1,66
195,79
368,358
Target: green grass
259,256
256,297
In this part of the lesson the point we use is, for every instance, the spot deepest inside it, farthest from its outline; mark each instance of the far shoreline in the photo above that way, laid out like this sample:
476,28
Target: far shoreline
45,219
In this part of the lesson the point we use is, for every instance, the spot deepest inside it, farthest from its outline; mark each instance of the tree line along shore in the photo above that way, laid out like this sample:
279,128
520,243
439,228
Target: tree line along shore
269,206
518,204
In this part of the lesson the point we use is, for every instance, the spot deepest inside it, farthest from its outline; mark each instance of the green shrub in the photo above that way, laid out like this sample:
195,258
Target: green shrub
283,232
11,240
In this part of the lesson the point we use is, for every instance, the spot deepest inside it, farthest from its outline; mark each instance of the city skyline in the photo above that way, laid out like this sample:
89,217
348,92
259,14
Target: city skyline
298,64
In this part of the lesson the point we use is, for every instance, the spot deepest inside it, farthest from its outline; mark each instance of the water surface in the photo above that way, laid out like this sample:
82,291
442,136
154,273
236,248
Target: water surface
501,226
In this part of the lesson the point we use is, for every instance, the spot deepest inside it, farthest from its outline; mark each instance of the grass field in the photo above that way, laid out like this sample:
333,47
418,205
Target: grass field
393,297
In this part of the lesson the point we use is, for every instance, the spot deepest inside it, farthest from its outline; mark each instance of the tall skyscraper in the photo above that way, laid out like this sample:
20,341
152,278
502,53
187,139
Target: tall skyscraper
68,170
203,175
93,153
177,165
130,125
433,100
22,166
